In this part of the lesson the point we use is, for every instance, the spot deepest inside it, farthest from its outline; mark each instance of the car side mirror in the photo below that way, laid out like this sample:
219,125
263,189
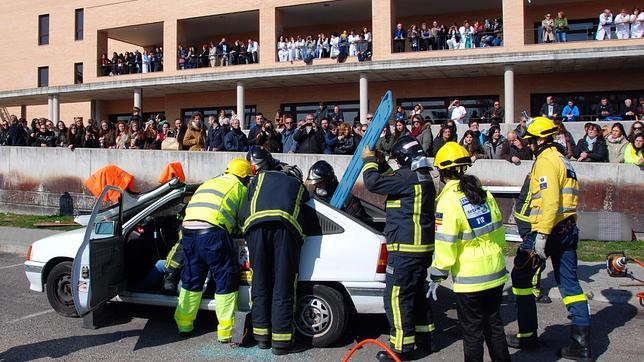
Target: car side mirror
105,228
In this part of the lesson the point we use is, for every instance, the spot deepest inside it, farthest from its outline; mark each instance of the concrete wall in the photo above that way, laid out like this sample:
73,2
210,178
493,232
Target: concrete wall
33,179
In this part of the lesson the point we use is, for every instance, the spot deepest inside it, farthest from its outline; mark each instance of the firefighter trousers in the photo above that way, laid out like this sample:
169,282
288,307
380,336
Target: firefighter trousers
274,260
561,247
407,307
479,314
208,250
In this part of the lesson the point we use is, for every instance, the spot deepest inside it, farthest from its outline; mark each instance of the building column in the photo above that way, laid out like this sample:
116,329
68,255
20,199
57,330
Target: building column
364,97
241,104
514,30
54,108
95,110
271,28
381,34
508,87
23,111
138,99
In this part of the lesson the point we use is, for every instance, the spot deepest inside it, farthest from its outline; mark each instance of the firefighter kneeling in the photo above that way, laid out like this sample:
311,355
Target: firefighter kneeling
206,241
552,216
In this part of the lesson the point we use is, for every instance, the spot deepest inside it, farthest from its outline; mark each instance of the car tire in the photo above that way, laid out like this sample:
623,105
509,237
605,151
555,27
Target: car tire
321,315
59,289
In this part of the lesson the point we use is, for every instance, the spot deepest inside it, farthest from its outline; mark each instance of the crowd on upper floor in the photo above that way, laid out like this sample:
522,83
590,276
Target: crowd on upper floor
132,62
338,46
627,24
439,36
218,54
323,132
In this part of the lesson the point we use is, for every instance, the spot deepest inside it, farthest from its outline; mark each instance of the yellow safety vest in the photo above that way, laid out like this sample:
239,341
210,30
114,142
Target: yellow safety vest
554,188
469,241
217,202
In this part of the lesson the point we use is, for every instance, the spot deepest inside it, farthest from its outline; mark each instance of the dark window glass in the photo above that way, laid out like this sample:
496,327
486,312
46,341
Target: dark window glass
79,24
43,29
585,101
249,113
78,73
350,109
436,108
43,76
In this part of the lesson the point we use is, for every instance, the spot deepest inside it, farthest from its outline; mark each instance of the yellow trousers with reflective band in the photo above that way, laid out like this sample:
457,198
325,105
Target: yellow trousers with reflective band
225,307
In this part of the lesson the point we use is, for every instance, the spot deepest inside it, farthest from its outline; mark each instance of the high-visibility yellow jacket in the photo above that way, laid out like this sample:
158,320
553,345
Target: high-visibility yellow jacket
554,188
632,156
469,241
217,201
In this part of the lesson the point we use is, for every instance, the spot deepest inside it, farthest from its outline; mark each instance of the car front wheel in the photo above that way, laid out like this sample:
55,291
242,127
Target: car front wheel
59,289
321,316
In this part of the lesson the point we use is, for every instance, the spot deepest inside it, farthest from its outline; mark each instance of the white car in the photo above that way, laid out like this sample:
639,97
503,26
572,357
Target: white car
342,263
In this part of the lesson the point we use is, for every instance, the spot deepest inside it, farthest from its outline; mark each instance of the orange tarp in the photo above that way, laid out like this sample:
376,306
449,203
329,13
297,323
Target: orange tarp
171,171
110,175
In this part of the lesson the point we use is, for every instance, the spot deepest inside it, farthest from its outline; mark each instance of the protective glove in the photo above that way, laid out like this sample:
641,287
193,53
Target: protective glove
366,153
432,287
540,246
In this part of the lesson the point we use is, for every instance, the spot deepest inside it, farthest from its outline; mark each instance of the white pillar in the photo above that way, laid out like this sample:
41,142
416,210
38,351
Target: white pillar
95,110
364,98
53,107
138,99
241,104
508,87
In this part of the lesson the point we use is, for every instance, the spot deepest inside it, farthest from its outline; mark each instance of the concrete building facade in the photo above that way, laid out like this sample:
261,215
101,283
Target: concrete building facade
519,73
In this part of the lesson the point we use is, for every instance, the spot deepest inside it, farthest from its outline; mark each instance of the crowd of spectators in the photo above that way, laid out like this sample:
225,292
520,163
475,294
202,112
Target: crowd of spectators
628,110
440,36
218,54
627,24
338,46
322,132
132,62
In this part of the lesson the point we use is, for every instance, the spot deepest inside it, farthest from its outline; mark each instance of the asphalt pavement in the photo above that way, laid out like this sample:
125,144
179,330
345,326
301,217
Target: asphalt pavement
31,330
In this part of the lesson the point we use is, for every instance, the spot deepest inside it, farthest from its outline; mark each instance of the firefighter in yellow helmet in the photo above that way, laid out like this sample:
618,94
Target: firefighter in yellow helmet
469,243
552,215
210,220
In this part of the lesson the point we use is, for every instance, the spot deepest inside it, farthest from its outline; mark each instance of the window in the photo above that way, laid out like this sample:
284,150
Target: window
78,73
249,113
43,76
436,108
43,29
350,109
79,24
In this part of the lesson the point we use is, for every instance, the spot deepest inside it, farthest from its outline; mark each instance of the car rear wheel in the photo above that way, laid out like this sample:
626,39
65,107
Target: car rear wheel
59,289
321,316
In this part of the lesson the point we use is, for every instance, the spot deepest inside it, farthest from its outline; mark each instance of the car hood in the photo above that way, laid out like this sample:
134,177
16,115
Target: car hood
60,245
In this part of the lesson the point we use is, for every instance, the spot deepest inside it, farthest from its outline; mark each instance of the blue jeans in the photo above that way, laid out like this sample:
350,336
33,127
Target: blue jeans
153,279
561,37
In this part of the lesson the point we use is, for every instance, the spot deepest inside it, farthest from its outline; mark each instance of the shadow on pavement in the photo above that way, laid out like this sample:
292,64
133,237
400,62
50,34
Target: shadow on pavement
62,347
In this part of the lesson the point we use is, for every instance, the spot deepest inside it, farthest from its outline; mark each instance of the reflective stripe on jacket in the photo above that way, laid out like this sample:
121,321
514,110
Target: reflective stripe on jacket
409,206
274,196
217,201
554,188
469,241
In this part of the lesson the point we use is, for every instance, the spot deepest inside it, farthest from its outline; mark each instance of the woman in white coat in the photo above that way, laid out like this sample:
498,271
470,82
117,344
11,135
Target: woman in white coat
145,60
335,45
467,33
623,25
291,49
637,24
605,22
282,49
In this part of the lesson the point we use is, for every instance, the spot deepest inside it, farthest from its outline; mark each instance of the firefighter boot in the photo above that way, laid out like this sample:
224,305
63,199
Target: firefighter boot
383,356
522,342
427,344
579,348
170,280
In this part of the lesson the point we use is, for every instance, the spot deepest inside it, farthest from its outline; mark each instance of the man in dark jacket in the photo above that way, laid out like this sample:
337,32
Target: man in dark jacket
17,135
256,129
550,109
215,137
603,110
308,137
514,149
236,140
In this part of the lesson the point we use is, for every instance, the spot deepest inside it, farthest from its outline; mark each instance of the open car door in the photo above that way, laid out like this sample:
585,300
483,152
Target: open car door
98,272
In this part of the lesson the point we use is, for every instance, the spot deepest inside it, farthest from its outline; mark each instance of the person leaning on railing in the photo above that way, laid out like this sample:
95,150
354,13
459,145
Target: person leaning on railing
633,153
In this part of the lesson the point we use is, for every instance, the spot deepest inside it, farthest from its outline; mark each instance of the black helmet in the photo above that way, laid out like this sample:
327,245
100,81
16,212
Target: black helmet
406,149
321,171
260,159
294,171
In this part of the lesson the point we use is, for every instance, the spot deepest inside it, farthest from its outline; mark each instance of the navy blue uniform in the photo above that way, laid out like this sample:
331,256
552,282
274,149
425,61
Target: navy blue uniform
409,232
273,230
